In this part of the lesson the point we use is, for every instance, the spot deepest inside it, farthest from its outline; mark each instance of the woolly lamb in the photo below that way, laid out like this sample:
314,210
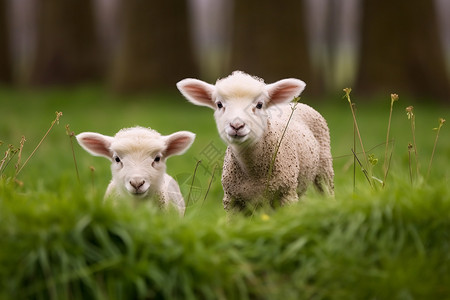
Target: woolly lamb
251,117
138,157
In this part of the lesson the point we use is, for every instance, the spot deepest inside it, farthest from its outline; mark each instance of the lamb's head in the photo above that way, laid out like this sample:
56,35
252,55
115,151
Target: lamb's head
241,103
138,156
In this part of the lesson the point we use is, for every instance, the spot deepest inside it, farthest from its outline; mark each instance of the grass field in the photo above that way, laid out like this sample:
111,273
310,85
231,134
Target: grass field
58,240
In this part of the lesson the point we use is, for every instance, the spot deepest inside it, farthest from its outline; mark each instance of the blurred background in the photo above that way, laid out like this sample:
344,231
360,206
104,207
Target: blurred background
374,46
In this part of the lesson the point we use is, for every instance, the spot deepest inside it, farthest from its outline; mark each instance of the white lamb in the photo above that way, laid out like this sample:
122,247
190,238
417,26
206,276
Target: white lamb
251,117
138,157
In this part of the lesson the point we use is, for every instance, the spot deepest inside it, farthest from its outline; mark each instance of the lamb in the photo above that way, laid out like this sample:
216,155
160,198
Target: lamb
138,157
251,117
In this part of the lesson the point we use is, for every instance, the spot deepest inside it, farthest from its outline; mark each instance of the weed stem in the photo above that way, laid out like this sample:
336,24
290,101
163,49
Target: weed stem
58,115
438,129
9,153
19,157
71,135
394,97
192,184
409,162
210,182
366,174
411,116
355,123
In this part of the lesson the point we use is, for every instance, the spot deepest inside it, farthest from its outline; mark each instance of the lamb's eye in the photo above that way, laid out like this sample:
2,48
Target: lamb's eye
219,105
259,105
156,160
117,159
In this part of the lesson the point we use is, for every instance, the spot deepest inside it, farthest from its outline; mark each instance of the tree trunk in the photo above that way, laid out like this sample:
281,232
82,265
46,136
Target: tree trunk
5,54
66,43
270,41
155,48
401,51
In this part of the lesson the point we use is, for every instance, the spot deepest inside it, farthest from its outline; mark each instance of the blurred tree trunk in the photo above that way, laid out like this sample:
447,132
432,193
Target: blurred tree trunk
67,49
5,55
401,50
270,41
155,47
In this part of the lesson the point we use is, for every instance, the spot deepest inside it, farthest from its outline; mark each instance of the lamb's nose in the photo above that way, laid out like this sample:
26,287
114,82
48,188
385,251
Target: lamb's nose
137,183
237,125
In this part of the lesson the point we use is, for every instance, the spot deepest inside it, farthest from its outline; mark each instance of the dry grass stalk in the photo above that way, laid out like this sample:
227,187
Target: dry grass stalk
56,121
438,129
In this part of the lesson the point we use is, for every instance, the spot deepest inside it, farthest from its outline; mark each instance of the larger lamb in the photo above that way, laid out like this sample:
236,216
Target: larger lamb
251,117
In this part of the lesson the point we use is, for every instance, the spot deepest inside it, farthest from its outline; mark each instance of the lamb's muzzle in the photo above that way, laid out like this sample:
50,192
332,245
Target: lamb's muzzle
237,129
138,186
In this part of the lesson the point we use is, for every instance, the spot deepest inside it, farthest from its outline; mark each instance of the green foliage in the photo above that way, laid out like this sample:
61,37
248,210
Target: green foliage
59,240
375,245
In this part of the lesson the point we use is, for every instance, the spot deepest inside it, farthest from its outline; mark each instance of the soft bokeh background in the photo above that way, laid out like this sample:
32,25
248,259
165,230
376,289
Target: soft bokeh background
109,64
375,46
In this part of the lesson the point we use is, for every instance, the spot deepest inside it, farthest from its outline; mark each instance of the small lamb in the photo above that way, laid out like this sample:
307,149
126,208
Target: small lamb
251,117
138,157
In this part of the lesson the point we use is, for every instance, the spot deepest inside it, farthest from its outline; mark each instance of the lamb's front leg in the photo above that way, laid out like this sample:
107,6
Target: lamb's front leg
324,185
227,202
289,198
232,204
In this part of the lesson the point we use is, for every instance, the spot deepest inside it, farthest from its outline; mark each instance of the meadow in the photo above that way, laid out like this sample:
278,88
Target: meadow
58,239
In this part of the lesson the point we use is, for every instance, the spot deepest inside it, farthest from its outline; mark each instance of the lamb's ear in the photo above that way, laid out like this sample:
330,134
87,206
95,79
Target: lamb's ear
95,143
178,143
197,92
285,90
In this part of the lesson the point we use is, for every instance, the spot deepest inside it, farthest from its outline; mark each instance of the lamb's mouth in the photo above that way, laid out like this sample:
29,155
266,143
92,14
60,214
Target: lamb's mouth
237,138
139,193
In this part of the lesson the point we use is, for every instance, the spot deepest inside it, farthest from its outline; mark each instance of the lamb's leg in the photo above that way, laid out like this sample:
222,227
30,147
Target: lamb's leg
324,180
324,184
289,198
227,202
237,206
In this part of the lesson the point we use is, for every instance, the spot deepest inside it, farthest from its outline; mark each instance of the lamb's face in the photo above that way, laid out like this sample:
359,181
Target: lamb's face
241,103
138,157
241,120
138,165
138,173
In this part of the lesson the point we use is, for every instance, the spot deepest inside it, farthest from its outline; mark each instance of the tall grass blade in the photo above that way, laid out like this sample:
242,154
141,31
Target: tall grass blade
438,129
71,134
19,157
412,117
410,146
192,184
210,181
9,155
386,165
366,174
355,123
56,121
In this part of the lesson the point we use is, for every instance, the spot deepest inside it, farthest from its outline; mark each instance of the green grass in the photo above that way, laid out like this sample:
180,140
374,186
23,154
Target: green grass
58,239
